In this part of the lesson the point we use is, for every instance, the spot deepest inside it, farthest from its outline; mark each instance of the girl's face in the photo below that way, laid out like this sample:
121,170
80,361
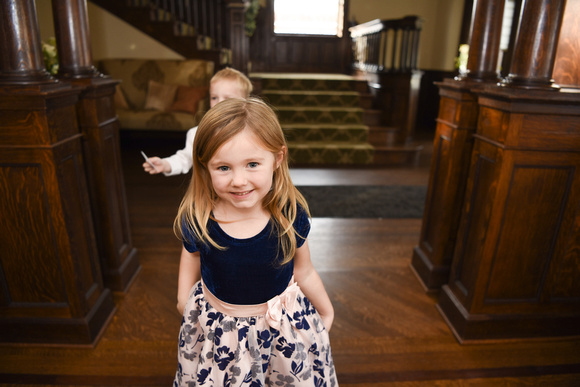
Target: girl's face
223,89
241,171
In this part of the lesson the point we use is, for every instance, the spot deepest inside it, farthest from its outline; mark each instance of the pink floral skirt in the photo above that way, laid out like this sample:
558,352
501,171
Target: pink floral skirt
279,343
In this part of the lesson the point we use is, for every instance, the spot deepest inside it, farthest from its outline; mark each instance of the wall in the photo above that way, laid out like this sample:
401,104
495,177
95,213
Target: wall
105,32
437,48
441,25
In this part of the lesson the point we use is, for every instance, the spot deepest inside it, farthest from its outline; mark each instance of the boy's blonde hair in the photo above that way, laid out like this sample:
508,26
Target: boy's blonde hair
237,76
221,123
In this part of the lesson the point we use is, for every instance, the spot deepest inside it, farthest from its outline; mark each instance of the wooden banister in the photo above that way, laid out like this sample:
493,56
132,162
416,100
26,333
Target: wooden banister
386,45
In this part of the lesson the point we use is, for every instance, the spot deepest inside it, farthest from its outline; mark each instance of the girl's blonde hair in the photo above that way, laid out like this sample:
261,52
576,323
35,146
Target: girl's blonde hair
237,76
221,123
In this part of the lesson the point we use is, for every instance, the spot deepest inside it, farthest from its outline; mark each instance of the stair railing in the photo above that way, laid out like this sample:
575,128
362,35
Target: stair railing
202,18
386,45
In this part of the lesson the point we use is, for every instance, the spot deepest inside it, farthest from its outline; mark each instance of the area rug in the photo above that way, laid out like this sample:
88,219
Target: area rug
347,201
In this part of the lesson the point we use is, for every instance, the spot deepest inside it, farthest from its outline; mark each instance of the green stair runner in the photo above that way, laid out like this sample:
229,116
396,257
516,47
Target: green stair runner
321,117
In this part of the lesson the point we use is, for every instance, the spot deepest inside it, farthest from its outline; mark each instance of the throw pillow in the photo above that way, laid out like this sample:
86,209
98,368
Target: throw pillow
160,96
187,99
119,98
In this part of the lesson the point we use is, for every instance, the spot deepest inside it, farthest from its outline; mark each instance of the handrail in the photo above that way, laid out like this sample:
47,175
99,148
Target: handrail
202,18
386,45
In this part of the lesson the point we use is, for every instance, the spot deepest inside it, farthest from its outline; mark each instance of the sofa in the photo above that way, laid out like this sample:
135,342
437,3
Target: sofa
161,94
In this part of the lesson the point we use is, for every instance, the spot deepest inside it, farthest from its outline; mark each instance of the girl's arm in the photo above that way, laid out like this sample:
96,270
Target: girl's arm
189,274
311,285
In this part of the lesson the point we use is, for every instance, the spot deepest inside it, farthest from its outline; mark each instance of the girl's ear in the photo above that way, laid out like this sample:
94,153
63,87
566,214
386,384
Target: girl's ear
280,156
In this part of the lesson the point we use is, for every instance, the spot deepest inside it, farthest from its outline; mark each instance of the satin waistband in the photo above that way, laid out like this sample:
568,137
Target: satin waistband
272,309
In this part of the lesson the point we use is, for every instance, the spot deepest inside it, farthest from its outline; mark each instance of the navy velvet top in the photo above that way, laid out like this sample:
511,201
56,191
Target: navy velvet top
248,270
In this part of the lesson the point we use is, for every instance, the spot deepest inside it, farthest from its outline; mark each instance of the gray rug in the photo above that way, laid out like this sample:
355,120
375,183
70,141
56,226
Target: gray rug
346,201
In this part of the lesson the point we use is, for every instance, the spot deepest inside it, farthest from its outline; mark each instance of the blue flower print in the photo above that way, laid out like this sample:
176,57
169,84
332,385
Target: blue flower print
318,367
243,333
286,348
213,316
314,349
264,339
202,375
223,357
296,369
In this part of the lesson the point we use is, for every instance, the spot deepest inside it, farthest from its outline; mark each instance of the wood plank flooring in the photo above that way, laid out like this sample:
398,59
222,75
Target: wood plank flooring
387,331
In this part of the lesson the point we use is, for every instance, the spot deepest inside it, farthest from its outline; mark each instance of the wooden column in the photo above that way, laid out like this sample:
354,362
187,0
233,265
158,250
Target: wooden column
21,60
100,126
515,266
51,289
537,38
452,146
485,40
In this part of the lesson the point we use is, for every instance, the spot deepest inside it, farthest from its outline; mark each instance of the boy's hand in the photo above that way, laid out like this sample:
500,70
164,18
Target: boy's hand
160,166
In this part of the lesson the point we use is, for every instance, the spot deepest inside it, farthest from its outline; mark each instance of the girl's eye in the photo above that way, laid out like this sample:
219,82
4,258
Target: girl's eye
253,164
223,168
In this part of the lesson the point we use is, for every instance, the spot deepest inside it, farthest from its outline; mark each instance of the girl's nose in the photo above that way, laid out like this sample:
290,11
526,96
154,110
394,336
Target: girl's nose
239,179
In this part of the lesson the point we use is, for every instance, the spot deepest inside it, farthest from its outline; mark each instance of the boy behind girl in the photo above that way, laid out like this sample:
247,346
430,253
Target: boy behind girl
226,83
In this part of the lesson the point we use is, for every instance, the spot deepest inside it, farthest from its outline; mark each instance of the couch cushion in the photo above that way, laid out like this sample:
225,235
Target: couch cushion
160,96
119,99
135,75
188,98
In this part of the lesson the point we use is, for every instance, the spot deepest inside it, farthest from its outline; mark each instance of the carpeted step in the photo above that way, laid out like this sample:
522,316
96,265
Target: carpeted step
322,115
318,82
300,98
351,134
330,154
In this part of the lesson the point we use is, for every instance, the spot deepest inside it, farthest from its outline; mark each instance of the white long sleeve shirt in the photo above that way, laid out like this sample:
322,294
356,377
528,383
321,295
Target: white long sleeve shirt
182,160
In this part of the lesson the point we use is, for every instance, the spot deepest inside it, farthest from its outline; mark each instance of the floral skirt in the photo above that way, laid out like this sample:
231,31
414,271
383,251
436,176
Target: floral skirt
284,344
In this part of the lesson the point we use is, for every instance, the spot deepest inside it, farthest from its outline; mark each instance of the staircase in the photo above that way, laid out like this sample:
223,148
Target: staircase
323,116
195,31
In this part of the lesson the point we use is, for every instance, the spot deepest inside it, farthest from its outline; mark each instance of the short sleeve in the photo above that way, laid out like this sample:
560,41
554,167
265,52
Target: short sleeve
189,241
302,226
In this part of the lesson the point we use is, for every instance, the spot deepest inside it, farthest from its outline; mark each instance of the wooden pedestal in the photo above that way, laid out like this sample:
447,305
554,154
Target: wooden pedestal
100,126
452,147
516,265
50,279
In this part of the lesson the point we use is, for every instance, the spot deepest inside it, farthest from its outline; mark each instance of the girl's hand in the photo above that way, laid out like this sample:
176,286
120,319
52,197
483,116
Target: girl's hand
327,321
160,166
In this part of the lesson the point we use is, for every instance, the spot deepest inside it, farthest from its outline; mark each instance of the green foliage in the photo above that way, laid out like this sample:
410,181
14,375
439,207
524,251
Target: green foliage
252,7
50,56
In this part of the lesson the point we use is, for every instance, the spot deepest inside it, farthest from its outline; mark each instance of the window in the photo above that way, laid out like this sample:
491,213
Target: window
309,17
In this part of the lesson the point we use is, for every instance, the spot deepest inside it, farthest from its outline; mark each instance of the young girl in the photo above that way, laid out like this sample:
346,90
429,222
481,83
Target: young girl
255,309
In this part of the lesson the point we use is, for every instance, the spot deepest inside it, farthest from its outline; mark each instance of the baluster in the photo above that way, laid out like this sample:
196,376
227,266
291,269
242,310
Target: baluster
195,11
404,47
219,42
204,19
211,19
415,49
395,38
187,12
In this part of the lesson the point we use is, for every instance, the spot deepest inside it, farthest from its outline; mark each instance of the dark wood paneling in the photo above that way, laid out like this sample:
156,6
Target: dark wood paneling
449,166
52,291
271,52
100,126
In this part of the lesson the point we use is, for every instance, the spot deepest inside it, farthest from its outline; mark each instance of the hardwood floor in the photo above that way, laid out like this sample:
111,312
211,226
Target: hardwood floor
387,331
